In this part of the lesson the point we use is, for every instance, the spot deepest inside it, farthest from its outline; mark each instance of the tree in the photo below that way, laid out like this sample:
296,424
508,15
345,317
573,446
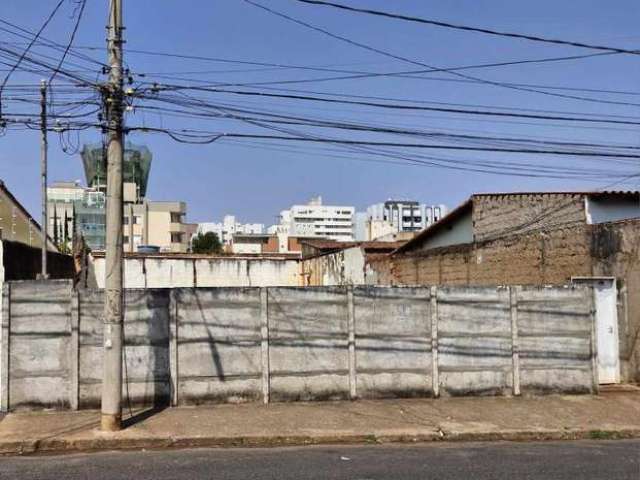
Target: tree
206,243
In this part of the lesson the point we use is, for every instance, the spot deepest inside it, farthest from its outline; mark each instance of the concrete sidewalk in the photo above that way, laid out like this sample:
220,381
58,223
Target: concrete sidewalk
609,415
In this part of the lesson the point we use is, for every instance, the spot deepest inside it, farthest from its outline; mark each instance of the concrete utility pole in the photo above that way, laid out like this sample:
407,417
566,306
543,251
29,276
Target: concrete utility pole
44,148
111,419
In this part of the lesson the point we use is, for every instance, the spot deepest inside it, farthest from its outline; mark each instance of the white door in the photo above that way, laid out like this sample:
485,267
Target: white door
607,330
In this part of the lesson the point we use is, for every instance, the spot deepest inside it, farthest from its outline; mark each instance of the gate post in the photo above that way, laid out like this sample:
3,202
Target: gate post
595,380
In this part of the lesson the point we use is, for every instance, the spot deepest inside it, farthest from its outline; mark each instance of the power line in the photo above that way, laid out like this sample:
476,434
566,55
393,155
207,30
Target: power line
216,136
403,107
83,4
26,50
289,119
467,28
414,62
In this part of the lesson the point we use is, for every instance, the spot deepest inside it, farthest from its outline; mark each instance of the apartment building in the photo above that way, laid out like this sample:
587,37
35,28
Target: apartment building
229,227
395,216
317,220
155,223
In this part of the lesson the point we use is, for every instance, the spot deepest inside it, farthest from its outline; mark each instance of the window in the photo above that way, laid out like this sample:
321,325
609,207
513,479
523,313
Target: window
176,237
126,239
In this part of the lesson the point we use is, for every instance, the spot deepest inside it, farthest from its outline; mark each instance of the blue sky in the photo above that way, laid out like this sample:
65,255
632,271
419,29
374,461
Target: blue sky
255,182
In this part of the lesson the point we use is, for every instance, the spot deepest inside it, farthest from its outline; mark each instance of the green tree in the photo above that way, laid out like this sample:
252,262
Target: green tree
206,243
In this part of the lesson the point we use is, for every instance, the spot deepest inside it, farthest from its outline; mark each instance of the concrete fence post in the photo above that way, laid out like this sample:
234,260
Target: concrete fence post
173,346
351,312
595,380
264,344
515,344
74,351
435,376
5,342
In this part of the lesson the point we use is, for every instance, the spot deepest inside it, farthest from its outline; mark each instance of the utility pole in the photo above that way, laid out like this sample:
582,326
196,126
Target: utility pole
44,149
111,419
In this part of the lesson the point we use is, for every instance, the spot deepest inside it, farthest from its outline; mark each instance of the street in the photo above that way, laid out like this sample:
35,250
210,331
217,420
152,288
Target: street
584,460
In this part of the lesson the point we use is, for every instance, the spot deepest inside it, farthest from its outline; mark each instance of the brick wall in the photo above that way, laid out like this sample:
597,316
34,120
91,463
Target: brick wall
511,214
533,258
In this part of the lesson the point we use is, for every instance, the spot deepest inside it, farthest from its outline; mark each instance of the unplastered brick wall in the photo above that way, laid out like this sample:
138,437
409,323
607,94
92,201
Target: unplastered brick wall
535,258
500,215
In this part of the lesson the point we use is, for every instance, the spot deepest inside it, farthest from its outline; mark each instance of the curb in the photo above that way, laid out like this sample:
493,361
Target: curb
111,443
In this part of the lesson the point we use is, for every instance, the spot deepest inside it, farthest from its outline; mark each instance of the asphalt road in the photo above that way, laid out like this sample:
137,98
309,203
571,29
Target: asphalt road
585,460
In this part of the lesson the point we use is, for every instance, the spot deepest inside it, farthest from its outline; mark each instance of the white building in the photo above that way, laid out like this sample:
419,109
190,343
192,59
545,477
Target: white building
394,216
229,227
317,220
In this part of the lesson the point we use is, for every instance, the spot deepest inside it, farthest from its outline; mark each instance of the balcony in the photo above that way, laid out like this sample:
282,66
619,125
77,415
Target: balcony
177,227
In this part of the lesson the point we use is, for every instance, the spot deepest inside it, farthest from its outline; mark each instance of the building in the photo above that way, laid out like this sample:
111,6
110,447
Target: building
268,243
155,223
541,238
254,243
17,224
72,207
190,231
229,227
317,220
75,208
383,220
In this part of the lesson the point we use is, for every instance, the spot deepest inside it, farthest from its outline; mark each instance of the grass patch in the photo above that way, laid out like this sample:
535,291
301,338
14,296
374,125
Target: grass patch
601,435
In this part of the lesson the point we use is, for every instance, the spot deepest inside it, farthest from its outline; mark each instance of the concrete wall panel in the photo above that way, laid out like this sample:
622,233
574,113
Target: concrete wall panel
219,345
393,342
146,330
39,344
308,343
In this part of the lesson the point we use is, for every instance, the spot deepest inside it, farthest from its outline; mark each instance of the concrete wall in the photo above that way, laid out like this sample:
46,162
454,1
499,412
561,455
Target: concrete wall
163,271
346,267
209,345
218,345
146,352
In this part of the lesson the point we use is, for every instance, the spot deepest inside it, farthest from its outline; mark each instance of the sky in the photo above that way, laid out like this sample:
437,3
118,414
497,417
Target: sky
255,181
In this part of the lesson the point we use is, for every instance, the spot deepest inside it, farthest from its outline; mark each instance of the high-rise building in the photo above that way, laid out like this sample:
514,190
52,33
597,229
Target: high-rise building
317,220
74,208
395,216
230,226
